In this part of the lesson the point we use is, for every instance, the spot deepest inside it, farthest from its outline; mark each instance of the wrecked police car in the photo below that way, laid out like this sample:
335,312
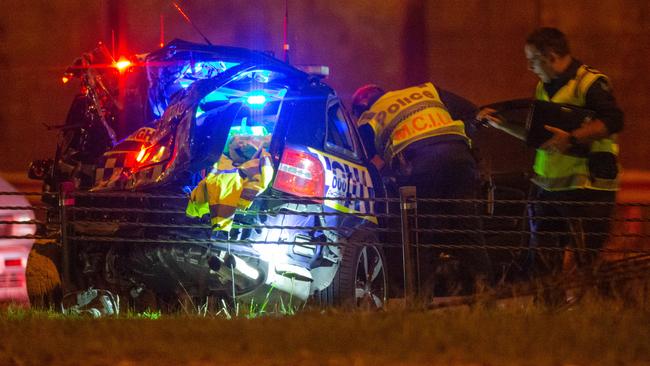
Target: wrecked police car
212,171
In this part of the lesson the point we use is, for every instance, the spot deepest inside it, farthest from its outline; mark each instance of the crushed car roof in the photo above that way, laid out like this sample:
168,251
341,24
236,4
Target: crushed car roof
178,49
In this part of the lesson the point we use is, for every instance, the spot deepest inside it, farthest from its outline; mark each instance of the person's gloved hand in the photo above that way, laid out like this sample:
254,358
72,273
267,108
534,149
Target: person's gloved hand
378,162
559,142
490,116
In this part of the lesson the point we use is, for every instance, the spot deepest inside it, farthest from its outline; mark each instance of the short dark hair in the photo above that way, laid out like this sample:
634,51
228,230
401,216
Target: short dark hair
547,40
364,97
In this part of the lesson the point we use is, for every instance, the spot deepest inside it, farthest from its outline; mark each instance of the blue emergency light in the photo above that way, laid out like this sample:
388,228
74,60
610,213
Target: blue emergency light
256,100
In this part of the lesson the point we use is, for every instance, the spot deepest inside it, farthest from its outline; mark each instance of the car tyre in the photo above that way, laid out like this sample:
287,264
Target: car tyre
361,280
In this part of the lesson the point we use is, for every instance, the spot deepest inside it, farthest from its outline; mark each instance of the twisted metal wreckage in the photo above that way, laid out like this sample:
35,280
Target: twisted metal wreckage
221,126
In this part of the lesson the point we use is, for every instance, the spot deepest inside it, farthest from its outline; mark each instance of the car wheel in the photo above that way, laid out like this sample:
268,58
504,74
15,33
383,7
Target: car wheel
361,280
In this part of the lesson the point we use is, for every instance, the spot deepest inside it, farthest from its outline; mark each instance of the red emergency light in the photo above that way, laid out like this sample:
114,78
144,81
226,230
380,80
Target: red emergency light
122,64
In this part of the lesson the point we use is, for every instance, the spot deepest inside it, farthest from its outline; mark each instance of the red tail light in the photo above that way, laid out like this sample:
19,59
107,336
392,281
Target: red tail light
14,262
153,154
301,174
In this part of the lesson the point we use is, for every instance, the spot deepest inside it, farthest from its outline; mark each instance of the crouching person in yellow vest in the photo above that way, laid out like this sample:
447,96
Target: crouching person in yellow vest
234,182
421,134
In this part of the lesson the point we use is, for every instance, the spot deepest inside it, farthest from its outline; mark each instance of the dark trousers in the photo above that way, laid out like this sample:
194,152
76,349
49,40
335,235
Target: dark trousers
555,226
448,170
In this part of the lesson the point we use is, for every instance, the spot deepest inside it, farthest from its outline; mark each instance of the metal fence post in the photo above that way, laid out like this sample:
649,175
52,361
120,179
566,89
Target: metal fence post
408,210
64,201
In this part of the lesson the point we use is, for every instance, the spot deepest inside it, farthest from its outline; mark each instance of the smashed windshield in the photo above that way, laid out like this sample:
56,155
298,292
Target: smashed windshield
249,105
168,77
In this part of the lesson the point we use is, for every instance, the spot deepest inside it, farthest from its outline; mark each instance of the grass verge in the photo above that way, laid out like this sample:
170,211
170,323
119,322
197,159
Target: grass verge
590,333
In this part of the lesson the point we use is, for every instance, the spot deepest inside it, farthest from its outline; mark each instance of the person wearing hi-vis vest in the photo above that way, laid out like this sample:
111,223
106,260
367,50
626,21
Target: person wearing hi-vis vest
417,136
559,174
243,172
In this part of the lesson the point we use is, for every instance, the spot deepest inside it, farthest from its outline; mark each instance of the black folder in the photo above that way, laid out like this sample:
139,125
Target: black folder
563,116
535,114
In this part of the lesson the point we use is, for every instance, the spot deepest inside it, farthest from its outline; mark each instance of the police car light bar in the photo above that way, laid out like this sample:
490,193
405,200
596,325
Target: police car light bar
320,71
256,100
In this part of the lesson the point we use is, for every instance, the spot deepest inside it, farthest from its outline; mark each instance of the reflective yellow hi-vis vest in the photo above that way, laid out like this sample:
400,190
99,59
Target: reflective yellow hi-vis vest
402,117
228,187
557,172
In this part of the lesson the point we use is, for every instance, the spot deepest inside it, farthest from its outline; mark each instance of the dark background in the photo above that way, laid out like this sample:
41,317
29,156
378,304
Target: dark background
473,47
